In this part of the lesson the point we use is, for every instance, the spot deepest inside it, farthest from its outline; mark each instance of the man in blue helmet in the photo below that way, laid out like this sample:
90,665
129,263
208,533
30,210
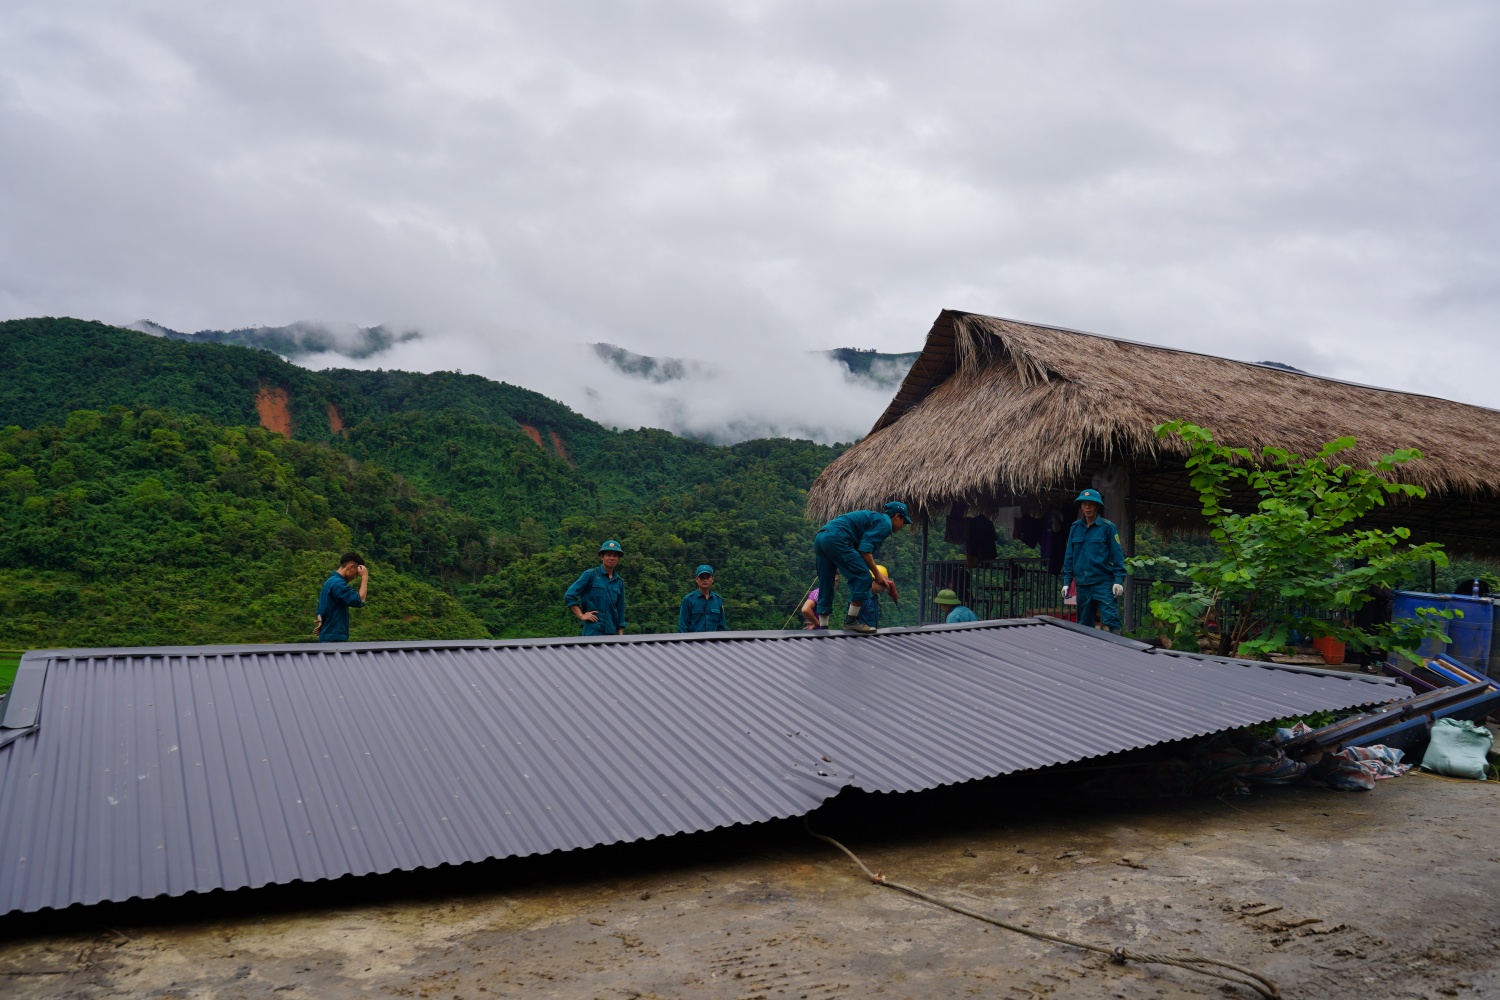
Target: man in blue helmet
702,610
1095,561
597,597
847,545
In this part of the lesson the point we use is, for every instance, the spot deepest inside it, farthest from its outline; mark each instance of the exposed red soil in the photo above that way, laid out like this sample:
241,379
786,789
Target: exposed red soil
534,434
562,449
273,405
335,419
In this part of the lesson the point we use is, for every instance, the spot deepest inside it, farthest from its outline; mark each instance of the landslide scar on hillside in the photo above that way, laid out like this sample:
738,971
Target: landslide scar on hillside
534,434
335,419
562,449
273,405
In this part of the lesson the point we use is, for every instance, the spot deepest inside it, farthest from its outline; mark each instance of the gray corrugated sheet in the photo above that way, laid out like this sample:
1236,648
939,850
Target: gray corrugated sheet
139,773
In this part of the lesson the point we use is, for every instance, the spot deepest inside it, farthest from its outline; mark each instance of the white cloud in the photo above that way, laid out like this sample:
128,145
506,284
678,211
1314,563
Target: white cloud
1313,184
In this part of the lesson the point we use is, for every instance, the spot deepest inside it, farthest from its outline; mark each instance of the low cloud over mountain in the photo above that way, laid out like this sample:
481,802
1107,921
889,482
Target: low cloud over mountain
295,341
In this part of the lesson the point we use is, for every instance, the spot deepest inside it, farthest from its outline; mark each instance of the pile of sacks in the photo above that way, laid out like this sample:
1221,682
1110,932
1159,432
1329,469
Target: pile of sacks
1231,762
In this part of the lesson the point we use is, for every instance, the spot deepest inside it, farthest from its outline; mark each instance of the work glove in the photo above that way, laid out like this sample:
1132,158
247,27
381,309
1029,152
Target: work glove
1065,592
1117,589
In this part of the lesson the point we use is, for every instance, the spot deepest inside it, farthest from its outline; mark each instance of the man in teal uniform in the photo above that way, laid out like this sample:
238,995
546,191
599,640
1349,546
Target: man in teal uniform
597,597
702,610
952,608
337,597
869,612
1096,562
847,545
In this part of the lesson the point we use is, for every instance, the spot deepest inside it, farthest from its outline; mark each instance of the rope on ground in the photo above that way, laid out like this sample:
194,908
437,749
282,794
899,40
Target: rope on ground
1227,971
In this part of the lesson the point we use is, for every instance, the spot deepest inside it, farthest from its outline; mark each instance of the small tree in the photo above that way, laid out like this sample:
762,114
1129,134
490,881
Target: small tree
1297,553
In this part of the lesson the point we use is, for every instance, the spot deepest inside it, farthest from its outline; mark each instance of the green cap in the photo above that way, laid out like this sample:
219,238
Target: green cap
611,546
946,597
705,570
1090,495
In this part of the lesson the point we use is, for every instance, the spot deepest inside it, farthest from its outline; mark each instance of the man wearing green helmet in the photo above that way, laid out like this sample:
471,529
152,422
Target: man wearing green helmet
952,609
597,597
1096,562
702,610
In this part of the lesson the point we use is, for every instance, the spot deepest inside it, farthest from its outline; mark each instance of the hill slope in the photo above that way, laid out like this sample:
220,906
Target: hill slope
134,527
461,488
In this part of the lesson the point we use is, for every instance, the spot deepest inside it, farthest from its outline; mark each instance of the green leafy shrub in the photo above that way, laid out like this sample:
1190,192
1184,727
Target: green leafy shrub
1297,555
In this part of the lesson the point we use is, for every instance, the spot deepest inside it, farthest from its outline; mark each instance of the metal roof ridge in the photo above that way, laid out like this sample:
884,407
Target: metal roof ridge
271,648
1092,632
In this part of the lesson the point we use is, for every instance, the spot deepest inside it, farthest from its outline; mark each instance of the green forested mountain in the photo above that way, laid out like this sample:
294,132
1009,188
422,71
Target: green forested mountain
134,527
142,501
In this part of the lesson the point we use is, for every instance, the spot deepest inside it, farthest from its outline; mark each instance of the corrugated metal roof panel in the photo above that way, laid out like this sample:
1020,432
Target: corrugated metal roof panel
165,771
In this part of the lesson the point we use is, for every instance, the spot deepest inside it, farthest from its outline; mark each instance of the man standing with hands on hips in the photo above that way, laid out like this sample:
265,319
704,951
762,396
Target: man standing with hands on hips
597,597
1096,562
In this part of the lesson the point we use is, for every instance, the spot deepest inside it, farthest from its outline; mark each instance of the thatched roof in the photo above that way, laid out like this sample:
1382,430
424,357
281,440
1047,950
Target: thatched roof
995,409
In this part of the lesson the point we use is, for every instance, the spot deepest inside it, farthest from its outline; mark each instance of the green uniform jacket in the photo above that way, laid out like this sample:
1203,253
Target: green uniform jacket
334,602
700,614
1094,554
596,590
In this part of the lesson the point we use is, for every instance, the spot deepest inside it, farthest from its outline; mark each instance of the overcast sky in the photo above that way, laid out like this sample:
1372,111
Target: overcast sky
1309,183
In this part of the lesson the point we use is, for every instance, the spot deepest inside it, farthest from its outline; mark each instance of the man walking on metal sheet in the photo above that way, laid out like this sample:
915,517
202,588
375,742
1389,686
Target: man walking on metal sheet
702,610
597,597
847,545
337,597
1095,560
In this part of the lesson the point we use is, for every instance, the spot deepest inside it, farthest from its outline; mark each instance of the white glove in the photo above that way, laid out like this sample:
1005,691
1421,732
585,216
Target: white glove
1065,591
1117,589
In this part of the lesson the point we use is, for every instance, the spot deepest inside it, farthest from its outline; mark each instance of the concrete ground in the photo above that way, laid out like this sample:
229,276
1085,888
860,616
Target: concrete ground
1392,893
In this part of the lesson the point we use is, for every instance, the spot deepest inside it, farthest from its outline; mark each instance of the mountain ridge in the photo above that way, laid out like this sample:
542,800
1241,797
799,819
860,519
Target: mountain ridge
295,340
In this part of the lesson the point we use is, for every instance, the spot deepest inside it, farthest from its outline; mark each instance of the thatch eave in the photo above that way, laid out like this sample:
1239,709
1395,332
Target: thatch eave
994,409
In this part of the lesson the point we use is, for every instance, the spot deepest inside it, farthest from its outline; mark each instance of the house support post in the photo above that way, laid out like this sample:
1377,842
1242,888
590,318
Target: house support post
1432,566
1114,484
922,577
1127,542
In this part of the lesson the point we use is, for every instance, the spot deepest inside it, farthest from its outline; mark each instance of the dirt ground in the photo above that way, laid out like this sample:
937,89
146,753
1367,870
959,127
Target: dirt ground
1392,893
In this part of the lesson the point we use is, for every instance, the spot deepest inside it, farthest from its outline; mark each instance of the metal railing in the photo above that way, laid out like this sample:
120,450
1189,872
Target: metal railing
1000,588
1022,588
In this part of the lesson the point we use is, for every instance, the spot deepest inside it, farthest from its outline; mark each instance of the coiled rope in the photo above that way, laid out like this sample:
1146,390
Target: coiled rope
1119,954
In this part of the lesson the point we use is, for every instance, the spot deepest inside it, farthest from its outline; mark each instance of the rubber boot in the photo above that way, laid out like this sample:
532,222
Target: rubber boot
852,624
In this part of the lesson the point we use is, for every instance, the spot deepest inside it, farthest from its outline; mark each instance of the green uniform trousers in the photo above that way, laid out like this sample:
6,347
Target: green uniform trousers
1096,604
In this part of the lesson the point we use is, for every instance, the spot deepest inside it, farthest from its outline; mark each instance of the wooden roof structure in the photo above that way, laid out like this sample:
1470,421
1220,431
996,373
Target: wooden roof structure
997,412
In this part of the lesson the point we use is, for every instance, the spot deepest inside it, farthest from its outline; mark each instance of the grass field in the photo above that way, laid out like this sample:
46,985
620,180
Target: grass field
9,660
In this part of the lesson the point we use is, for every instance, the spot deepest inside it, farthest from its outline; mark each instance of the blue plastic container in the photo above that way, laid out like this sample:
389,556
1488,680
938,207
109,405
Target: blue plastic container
1404,605
1471,635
